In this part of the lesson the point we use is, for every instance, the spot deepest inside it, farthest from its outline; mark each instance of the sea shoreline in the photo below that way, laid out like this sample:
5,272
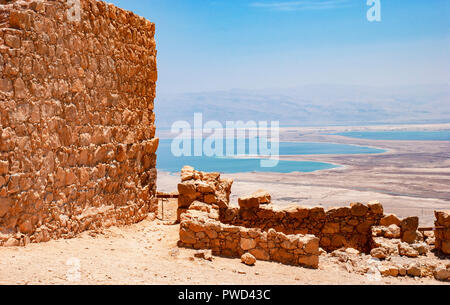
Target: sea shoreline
409,178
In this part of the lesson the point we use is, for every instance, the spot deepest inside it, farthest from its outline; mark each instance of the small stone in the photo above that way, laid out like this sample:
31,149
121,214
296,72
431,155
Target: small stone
204,254
11,242
393,231
442,274
248,259
422,248
352,251
414,270
322,252
405,249
379,253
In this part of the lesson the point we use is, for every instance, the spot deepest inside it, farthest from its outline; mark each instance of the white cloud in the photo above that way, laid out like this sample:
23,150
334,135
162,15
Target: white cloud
300,5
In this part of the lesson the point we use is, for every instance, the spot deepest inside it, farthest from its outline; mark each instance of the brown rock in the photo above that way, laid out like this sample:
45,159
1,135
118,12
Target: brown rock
390,219
330,228
388,270
405,249
187,173
247,244
375,207
311,261
26,227
352,251
5,85
414,270
393,231
187,189
5,204
12,242
379,253
248,202
410,224
411,236
442,274
263,196
442,218
358,209
311,244
204,187
4,167
20,90
187,237
260,254
204,254
248,259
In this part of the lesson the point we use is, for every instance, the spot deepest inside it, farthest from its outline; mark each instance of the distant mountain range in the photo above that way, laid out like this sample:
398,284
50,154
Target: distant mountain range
314,105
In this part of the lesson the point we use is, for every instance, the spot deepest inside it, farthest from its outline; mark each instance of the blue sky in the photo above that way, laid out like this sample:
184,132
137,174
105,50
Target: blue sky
254,44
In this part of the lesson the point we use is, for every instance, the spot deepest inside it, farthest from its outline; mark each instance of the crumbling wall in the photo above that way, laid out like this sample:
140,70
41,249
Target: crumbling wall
442,234
77,138
201,229
209,188
337,227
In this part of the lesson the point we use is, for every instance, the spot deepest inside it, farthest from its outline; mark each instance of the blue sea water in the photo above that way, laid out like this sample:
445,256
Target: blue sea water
168,162
442,135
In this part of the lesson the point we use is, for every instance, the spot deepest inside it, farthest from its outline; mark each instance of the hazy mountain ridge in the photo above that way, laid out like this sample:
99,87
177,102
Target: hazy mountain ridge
312,105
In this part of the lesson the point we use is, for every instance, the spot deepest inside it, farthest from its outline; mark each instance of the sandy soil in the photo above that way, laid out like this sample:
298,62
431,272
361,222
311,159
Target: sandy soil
146,253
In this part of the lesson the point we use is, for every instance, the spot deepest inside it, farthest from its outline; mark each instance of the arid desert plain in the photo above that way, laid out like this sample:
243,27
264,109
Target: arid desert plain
411,178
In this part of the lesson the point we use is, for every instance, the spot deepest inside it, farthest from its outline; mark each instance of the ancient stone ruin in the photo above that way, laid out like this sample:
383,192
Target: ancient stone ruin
78,152
298,235
77,144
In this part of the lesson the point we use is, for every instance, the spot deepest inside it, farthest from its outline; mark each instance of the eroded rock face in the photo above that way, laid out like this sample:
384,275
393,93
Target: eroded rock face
77,143
209,188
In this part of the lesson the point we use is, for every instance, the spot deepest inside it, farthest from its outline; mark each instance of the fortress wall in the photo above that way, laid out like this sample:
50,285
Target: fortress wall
348,227
201,229
77,137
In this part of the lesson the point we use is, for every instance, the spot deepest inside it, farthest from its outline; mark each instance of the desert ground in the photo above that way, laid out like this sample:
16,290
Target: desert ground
412,178
146,254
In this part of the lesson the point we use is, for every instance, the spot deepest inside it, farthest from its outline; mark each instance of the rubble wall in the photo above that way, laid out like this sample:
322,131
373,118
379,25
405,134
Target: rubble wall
77,138
200,230
337,227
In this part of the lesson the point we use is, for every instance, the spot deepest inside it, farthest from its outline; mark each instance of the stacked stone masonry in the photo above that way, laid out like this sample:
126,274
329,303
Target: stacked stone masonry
443,234
292,235
77,138
201,229
339,227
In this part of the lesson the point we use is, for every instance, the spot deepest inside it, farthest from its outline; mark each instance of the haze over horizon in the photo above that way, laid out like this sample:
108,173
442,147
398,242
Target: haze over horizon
254,55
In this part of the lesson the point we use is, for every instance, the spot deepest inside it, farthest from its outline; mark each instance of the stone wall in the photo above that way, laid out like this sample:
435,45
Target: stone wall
443,235
337,227
77,138
201,229
204,187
